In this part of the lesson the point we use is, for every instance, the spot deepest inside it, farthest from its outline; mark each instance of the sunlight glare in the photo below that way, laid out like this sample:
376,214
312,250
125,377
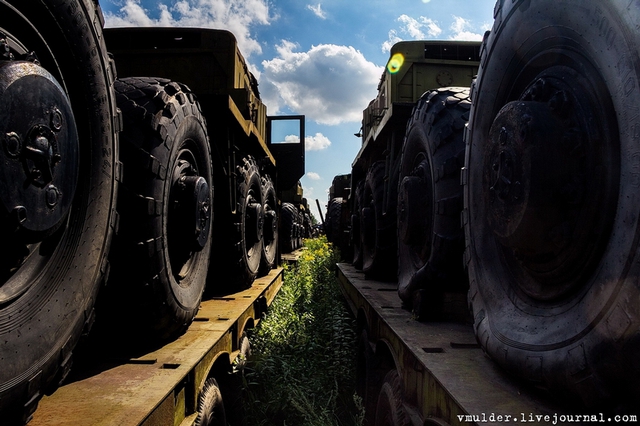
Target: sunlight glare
395,63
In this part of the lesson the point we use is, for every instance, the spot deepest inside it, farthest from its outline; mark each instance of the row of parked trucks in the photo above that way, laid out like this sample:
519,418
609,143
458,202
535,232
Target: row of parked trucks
137,174
497,186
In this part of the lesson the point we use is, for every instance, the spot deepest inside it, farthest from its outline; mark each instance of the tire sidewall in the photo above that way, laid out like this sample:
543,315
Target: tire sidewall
249,186
562,339
415,145
49,318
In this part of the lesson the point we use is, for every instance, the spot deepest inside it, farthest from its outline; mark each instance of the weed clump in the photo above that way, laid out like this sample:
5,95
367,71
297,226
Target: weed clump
302,367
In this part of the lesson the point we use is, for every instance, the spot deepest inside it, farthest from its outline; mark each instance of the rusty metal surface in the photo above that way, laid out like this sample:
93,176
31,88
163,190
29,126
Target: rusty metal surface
290,258
155,388
444,371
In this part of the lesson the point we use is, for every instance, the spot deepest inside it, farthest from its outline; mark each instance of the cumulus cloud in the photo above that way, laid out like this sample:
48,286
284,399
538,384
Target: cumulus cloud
328,83
317,10
461,30
425,28
415,29
291,139
313,175
316,143
237,16
393,39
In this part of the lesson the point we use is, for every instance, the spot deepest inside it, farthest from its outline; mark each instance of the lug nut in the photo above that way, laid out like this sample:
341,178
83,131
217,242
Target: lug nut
56,119
12,144
52,195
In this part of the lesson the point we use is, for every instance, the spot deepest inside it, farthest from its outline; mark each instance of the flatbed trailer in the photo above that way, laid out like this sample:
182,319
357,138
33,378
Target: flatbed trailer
434,373
162,387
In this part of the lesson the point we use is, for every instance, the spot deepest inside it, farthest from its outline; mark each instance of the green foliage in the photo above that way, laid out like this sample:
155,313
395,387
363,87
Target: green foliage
301,372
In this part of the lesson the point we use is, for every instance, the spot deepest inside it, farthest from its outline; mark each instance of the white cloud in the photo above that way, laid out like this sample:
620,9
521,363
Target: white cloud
416,29
236,16
317,10
291,139
308,193
329,83
426,28
311,143
460,28
313,175
393,39
316,143
426,1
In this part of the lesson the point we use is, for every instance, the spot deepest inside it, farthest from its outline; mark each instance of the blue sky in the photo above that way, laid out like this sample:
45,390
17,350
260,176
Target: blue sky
321,58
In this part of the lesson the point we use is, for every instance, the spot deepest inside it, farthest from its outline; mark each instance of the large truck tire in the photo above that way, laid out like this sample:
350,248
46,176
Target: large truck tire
288,214
248,222
355,233
430,239
551,201
270,232
57,190
389,407
161,252
377,230
211,410
299,229
334,230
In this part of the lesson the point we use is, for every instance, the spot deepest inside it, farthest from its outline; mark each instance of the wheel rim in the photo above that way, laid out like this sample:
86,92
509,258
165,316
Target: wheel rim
189,218
39,150
253,226
550,202
270,224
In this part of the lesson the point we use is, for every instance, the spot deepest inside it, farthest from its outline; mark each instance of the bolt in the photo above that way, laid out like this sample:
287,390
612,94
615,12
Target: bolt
19,214
53,195
32,57
538,90
12,144
5,52
559,102
35,173
56,119
504,135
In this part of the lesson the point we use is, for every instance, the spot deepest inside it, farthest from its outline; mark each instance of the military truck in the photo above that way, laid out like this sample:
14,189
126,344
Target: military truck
338,224
138,189
388,183
517,193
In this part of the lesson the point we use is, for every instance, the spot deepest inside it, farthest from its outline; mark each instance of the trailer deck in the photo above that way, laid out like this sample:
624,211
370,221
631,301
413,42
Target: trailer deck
446,377
161,387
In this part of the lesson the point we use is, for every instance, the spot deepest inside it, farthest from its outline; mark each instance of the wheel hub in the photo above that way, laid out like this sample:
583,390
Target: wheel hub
546,183
255,222
38,149
200,189
193,201
526,164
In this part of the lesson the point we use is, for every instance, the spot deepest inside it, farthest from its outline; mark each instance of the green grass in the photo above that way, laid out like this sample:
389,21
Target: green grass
301,372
